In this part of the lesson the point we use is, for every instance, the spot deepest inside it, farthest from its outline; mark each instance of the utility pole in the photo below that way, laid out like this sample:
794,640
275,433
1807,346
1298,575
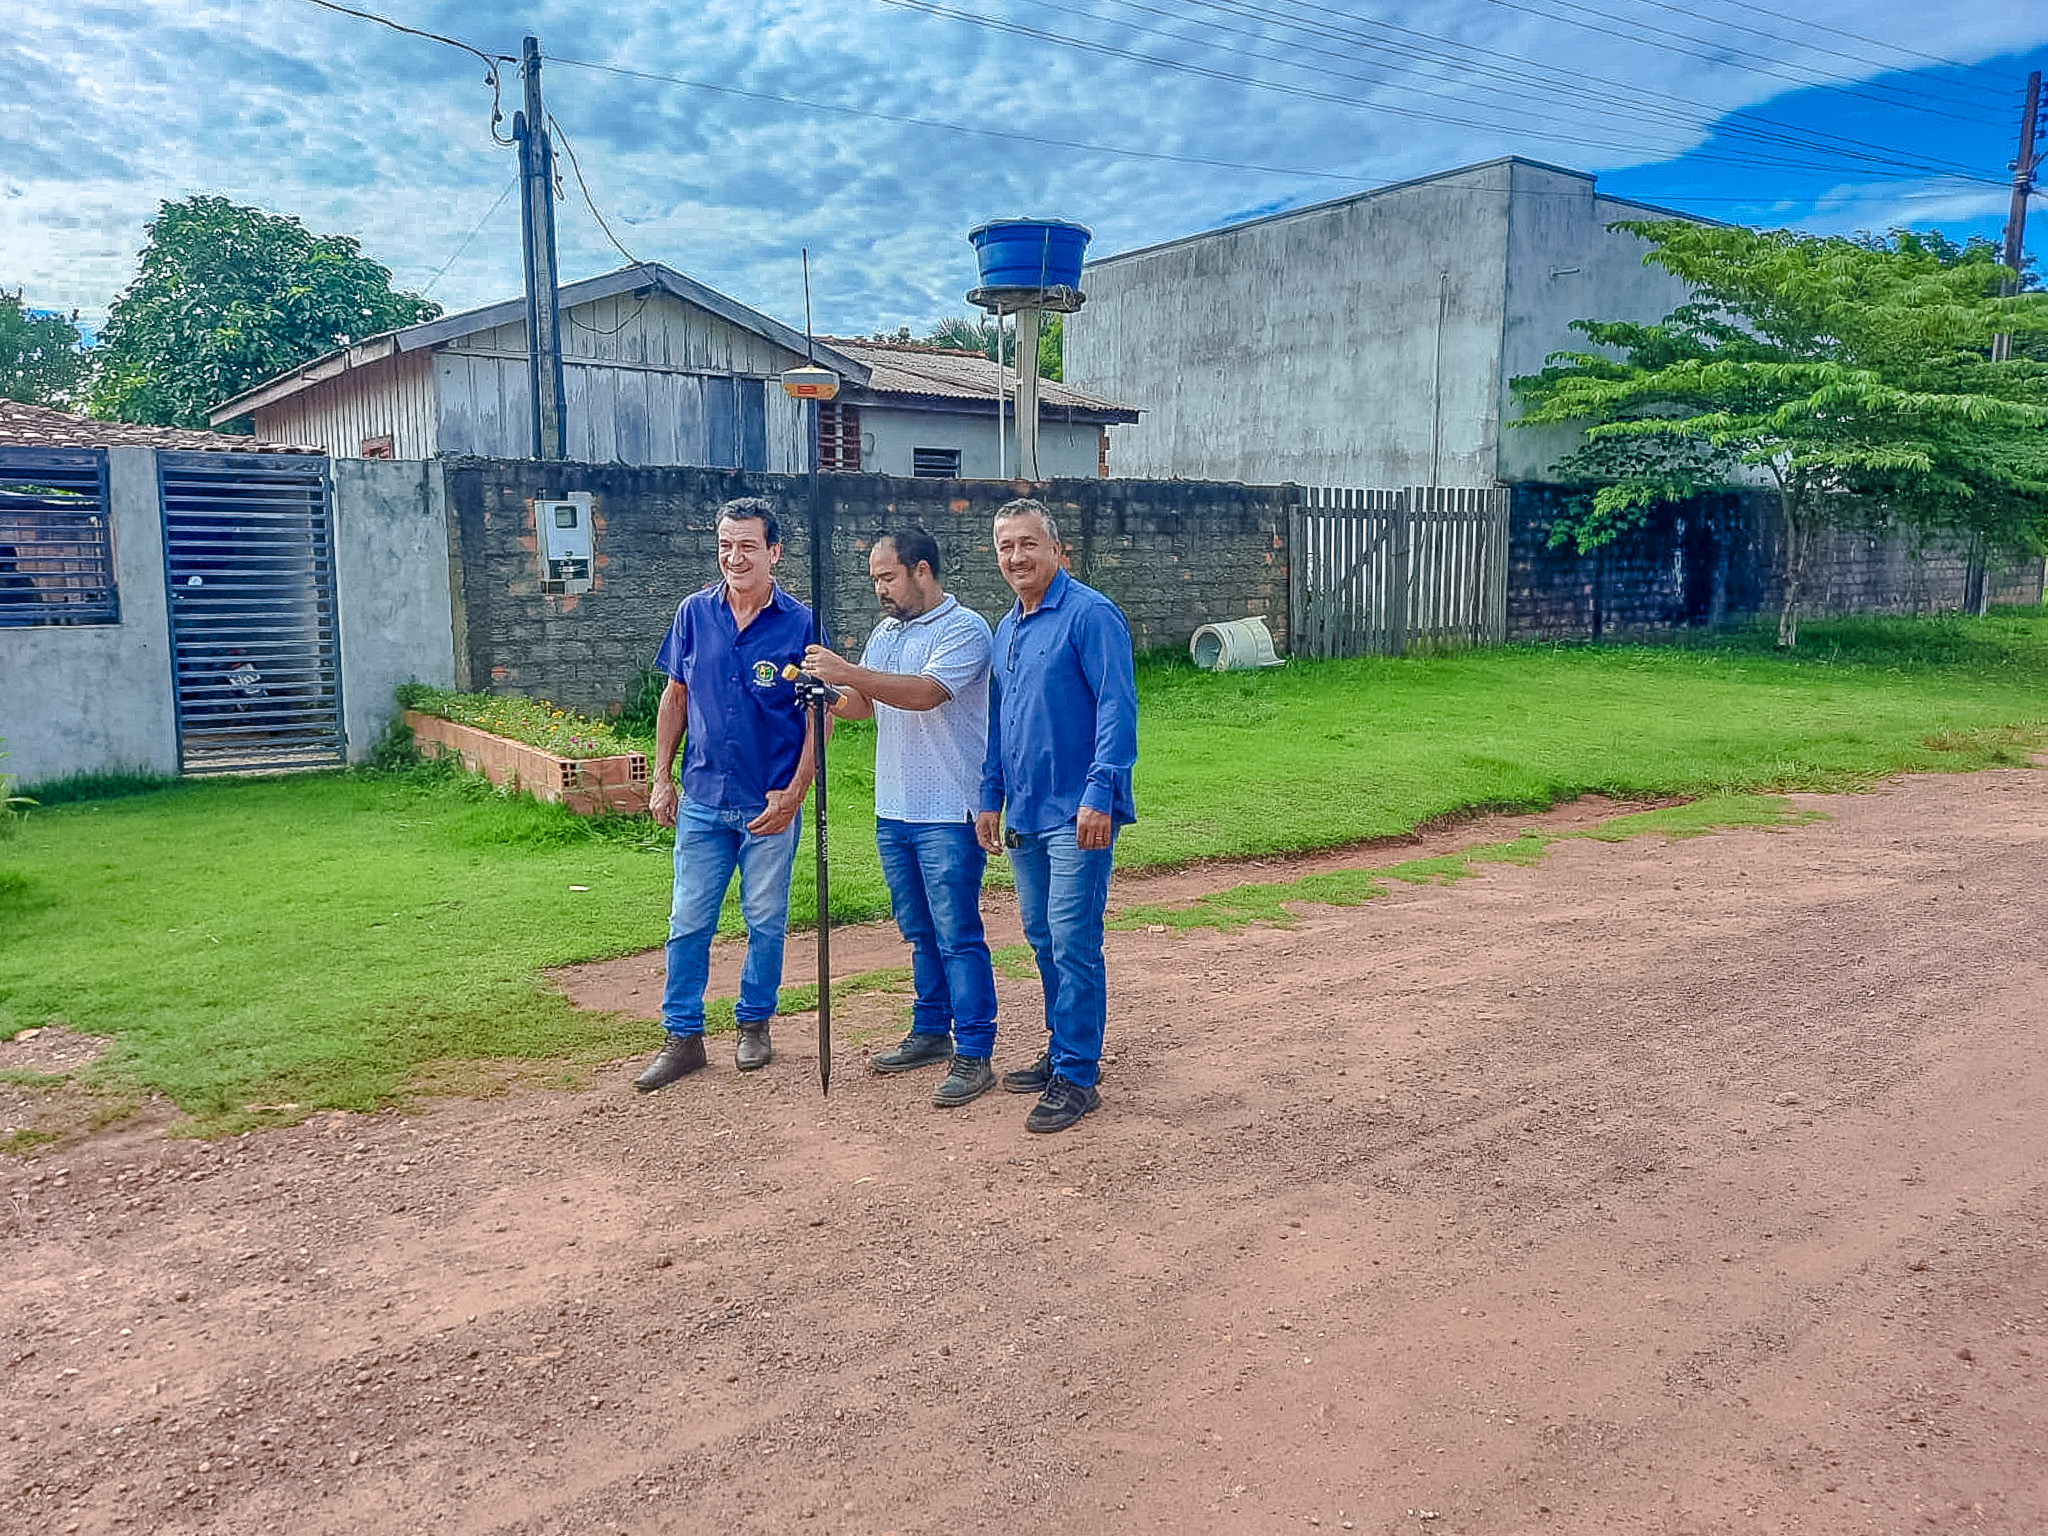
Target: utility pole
537,242
2022,188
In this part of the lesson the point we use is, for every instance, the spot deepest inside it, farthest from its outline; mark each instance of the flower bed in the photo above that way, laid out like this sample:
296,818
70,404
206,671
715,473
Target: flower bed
534,722
616,781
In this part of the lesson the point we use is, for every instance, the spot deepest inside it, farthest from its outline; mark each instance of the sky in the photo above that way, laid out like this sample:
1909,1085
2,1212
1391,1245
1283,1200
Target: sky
724,137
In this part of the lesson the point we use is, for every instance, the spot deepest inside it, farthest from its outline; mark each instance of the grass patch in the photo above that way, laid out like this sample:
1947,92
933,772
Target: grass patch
1270,903
33,1082
112,785
261,948
1016,962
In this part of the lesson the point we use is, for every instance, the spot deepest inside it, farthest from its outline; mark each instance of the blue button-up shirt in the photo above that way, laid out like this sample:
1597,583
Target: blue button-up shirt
1063,715
745,731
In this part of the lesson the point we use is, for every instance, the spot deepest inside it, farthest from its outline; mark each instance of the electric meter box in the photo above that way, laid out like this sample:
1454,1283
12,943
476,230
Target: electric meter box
566,547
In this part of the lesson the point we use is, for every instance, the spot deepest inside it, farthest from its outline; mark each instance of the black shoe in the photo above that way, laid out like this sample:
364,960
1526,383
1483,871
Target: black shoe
1031,1079
1060,1106
970,1078
915,1051
754,1049
682,1055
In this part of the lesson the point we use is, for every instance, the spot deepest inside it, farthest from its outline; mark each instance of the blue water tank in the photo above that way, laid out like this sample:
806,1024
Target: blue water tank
1029,253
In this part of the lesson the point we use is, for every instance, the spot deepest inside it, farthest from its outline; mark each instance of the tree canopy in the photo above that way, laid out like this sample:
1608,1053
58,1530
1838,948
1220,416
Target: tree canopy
1853,375
228,296
40,363
965,333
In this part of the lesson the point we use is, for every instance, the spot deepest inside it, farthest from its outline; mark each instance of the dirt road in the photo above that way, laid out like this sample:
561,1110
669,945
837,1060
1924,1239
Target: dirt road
1694,1187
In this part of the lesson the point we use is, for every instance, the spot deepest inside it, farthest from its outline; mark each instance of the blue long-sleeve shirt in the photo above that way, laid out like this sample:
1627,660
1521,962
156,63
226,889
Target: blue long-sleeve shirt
1063,711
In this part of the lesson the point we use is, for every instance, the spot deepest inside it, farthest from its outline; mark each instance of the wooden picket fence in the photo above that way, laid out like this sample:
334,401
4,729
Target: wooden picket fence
1381,572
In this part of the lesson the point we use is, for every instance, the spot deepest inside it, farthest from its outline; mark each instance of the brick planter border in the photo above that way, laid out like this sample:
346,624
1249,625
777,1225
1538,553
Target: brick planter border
586,785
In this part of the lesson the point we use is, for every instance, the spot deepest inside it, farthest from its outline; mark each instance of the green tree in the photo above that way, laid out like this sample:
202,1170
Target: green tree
1853,375
964,333
40,363
228,296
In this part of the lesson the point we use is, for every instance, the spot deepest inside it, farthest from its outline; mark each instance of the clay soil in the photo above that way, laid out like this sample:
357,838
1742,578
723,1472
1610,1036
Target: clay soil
1660,1187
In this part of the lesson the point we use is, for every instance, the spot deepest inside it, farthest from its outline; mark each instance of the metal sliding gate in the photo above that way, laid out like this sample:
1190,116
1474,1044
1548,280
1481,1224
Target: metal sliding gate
1378,572
249,559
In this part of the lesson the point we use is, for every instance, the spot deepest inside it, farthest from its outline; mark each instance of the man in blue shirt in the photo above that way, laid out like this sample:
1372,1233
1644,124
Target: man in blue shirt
924,677
747,767
1062,740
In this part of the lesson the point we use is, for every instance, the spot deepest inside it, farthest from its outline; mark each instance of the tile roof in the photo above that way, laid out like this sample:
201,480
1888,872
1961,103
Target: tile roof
37,426
902,368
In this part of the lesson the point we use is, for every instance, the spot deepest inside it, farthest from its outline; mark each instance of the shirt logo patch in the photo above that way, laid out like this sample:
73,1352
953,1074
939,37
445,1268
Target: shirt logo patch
764,674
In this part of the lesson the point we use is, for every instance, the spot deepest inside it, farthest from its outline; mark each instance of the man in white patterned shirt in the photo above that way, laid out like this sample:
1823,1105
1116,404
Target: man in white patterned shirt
924,676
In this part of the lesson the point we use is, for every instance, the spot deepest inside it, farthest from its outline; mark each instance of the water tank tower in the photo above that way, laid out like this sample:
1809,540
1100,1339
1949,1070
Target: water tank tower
1028,266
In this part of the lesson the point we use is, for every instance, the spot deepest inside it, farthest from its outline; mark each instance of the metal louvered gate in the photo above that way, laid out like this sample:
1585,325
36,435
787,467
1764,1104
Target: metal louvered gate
249,559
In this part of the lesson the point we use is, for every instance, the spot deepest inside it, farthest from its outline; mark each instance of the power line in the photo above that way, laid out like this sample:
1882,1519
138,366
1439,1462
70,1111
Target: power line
466,239
1681,114
1857,37
974,129
931,7
1854,58
589,202
491,61
1693,53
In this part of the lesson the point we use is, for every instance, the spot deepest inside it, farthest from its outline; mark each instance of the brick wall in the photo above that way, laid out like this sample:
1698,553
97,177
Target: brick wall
1173,554
1718,558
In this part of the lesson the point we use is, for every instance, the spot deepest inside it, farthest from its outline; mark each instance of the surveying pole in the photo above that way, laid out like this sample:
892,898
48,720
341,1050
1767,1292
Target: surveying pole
2016,220
814,385
537,245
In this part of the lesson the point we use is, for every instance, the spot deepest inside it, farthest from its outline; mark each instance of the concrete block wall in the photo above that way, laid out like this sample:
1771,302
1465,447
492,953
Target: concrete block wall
1174,555
1719,558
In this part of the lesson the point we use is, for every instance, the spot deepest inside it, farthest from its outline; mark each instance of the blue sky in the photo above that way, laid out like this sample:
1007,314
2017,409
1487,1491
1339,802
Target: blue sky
725,136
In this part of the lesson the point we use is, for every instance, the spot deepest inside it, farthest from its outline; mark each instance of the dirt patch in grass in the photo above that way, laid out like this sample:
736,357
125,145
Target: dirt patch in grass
631,984
1661,1186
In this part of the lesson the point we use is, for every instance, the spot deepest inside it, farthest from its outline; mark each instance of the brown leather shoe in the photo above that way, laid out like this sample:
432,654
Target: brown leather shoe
754,1049
682,1055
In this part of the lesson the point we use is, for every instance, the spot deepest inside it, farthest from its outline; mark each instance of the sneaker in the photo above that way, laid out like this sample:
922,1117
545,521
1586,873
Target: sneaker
970,1078
682,1055
1031,1079
753,1050
915,1051
1060,1106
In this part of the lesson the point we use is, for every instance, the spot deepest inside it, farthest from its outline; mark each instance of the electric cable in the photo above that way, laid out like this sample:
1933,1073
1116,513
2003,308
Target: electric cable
905,121
1857,37
466,239
491,61
1857,89
1462,57
1683,114
931,7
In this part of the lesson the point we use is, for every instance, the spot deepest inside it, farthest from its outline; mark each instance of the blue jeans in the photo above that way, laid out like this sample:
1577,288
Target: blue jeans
934,874
1062,889
710,845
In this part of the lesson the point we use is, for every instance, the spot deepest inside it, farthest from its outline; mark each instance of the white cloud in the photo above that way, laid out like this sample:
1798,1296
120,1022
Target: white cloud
359,130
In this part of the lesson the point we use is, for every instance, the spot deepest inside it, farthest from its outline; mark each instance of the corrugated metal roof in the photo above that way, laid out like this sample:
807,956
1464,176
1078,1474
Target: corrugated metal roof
433,333
37,426
900,368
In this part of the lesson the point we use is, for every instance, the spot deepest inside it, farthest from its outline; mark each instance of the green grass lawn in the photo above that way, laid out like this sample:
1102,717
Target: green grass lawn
338,940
